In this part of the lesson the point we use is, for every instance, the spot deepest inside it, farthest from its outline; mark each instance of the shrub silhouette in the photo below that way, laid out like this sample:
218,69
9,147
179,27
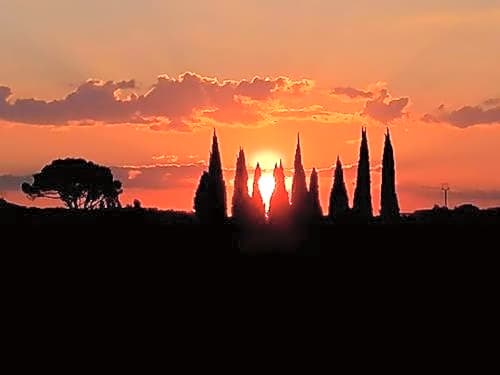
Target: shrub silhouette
137,204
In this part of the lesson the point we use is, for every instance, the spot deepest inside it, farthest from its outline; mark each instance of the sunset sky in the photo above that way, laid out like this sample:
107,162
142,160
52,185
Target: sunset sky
139,85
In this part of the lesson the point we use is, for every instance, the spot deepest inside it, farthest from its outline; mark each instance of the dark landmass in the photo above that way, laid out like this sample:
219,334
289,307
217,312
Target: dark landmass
178,233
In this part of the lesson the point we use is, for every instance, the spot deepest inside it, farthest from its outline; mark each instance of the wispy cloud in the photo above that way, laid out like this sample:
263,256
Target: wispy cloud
487,112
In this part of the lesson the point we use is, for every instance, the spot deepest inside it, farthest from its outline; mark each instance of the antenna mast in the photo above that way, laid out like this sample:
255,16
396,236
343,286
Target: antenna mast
445,188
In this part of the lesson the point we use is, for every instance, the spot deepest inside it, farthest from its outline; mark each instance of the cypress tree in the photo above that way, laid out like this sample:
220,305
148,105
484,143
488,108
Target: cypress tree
258,206
339,201
241,199
202,200
217,186
389,206
362,205
210,197
299,185
315,207
279,206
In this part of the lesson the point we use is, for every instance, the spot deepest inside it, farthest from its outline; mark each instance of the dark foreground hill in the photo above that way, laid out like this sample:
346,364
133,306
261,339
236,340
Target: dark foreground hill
178,233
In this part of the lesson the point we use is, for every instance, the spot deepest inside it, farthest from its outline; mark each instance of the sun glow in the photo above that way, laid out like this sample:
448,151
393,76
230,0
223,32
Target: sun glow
266,187
267,160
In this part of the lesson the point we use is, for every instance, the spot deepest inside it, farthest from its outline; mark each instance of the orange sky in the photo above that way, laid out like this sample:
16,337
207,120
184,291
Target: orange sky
429,72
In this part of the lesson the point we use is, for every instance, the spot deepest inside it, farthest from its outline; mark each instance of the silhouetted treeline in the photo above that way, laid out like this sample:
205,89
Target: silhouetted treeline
302,207
295,223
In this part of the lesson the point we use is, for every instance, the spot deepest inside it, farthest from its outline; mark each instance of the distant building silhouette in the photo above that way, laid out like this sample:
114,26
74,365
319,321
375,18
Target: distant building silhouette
362,205
315,207
339,201
279,207
389,206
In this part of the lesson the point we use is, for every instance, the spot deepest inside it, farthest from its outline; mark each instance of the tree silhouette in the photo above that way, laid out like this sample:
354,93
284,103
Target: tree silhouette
258,208
315,207
210,199
279,207
241,200
78,183
137,204
339,201
299,185
203,204
389,206
362,205
217,180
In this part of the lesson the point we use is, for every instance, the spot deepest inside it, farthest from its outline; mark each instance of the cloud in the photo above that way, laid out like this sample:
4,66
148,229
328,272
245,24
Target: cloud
159,176
487,112
166,158
379,104
385,109
493,102
10,182
352,93
314,113
92,101
179,103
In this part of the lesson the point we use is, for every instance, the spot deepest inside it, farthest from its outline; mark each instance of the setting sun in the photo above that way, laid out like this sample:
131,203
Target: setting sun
266,186
267,160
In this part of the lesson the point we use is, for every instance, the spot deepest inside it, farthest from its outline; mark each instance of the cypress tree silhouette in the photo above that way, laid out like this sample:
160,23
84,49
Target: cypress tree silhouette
299,185
258,207
202,203
362,205
210,198
241,199
218,190
389,206
279,206
315,207
339,201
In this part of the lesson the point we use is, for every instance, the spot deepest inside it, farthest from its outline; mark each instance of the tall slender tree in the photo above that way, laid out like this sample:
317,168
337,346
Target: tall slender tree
210,198
217,179
258,206
315,210
241,199
299,185
202,203
389,206
362,195
279,206
339,201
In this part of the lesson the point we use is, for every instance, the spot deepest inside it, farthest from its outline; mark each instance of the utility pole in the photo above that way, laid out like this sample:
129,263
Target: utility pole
445,188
